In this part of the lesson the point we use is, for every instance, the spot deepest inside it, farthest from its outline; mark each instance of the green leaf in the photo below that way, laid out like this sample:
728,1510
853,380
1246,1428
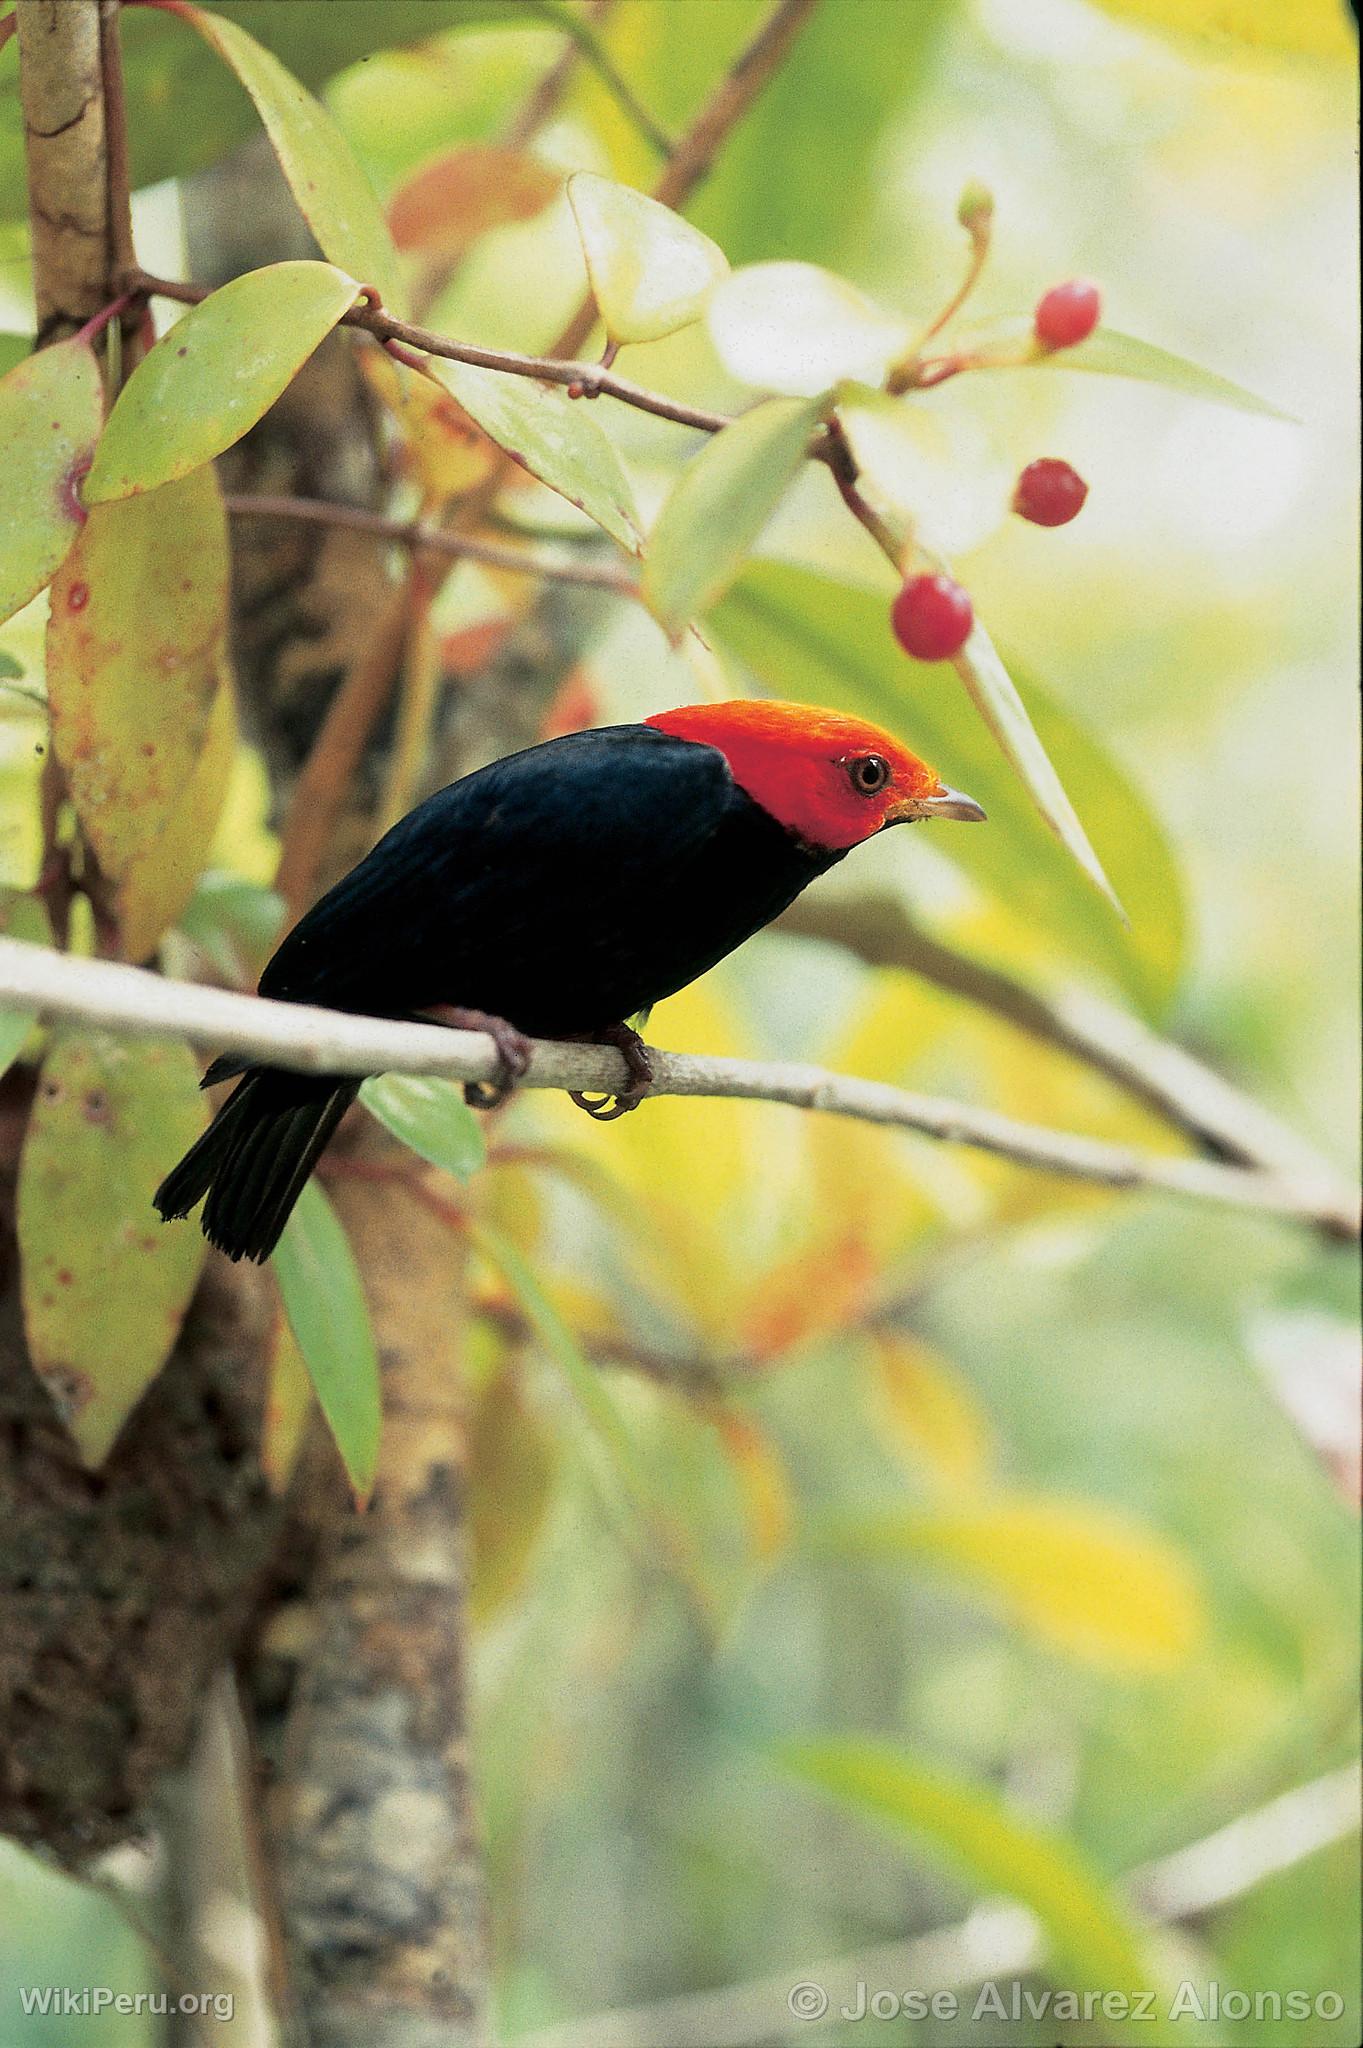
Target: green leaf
1093,1583
651,272
1109,353
1095,1943
553,436
1123,355
333,194
51,407
719,505
105,1286
431,1117
326,1308
995,696
212,376
14,349
141,718
819,641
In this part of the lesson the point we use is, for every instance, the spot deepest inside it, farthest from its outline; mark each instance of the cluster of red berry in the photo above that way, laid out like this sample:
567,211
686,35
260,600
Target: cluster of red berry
932,615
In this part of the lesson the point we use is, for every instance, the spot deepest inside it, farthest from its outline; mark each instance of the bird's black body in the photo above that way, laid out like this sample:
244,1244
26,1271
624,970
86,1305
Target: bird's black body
563,889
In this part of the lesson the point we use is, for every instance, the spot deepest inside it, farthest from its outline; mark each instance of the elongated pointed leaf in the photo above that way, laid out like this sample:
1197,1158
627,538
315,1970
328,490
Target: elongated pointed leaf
209,380
651,272
288,1403
431,1117
1095,1942
823,642
333,194
719,505
135,653
555,437
105,1285
1110,353
51,407
1093,1583
1292,28
995,696
324,1302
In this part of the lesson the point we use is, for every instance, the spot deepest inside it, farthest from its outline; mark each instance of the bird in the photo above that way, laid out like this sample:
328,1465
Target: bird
555,893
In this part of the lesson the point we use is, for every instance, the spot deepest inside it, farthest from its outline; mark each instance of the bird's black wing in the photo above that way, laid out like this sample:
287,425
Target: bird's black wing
520,877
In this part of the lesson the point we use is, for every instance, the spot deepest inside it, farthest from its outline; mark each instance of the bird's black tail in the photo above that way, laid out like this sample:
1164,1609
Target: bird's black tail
254,1157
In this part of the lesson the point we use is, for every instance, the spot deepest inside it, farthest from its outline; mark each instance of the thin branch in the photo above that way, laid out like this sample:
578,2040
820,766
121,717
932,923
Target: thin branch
751,71
418,534
324,782
1189,1096
588,380
128,999
995,1942
753,68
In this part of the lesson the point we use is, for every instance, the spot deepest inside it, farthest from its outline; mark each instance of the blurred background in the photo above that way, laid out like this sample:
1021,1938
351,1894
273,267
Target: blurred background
1005,1478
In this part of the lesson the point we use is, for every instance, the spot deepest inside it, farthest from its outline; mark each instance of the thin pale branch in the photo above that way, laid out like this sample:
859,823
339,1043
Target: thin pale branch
1189,1096
994,1943
128,999
418,534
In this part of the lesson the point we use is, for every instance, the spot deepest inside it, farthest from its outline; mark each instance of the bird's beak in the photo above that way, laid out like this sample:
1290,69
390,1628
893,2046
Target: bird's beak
944,803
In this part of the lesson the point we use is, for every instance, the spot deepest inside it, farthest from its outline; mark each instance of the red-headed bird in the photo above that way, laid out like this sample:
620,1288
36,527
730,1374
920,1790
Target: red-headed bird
554,894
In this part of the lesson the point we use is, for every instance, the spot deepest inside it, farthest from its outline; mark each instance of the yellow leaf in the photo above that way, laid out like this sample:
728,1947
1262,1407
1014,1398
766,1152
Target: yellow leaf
105,1285
929,1414
134,644
288,1403
651,271
513,1460
159,880
1293,28
762,1481
445,451
1090,1581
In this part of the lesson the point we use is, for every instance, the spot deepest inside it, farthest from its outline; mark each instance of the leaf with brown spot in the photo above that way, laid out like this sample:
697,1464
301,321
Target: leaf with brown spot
51,410
446,453
463,192
105,1284
134,650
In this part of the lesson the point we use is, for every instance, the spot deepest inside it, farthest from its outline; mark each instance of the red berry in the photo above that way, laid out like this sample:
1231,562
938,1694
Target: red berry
1049,493
1067,313
932,617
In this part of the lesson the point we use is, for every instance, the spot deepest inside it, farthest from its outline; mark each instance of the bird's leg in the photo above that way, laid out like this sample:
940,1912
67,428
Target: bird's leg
605,1108
513,1051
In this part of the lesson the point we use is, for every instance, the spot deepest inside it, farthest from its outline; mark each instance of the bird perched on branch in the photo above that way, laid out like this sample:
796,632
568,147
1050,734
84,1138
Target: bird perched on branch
554,894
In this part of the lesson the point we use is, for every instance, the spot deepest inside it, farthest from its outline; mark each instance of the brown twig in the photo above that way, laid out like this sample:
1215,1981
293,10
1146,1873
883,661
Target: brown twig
595,380
754,67
320,792
419,534
417,698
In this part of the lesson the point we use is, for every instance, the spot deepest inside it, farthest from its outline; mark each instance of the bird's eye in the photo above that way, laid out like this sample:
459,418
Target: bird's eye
869,773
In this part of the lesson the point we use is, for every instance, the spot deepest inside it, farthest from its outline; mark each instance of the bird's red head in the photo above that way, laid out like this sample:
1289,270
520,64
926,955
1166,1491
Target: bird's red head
830,779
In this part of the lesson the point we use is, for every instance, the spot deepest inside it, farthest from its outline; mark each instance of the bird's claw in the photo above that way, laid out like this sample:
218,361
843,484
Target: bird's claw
627,1042
513,1052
